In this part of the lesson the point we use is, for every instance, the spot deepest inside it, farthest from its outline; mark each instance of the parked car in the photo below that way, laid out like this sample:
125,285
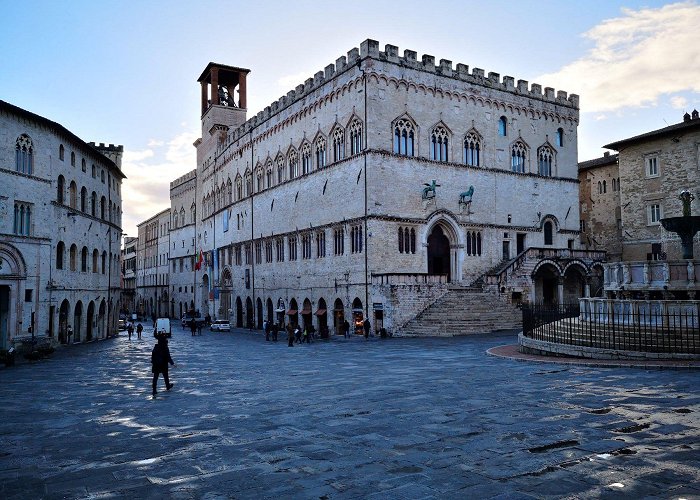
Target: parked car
220,325
122,325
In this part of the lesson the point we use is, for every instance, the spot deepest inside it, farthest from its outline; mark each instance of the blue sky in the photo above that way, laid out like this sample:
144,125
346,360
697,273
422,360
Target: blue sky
125,72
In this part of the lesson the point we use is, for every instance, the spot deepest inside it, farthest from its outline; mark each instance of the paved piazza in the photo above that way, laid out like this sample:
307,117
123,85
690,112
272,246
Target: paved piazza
399,418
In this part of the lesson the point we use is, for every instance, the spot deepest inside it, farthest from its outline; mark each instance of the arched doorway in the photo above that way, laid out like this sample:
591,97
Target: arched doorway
250,318
546,281
357,317
77,322
281,312
239,313
101,320
596,281
90,321
439,253
205,295
225,294
63,313
259,307
270,316
574,283
338,316
322,315
306,314
293,312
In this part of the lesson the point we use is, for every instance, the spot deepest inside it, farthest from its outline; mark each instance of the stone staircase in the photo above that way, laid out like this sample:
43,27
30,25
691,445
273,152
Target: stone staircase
463,311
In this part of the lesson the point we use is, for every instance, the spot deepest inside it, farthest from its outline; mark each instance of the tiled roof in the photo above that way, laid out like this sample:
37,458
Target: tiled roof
608,159
688,124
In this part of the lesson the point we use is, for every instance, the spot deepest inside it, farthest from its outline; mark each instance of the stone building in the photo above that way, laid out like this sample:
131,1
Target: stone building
601,219
381,187
152,275
60,231
128,286
653,169
182,243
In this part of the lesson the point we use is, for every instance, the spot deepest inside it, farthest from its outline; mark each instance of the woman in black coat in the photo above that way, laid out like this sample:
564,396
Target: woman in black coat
160,357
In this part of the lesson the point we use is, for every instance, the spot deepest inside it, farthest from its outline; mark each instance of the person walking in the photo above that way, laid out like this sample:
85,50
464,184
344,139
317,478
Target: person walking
160,357
275,331
130,330
266,327
290,336
193,326
366,327
346,328
139,330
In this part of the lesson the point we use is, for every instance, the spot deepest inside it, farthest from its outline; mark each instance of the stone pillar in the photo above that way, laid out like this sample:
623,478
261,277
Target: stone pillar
587,287
560,290
242,99
215,86
205,96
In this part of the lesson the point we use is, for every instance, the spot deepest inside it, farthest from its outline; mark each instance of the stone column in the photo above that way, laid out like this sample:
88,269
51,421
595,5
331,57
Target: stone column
215,86
205,96
242,100
587,287
560,290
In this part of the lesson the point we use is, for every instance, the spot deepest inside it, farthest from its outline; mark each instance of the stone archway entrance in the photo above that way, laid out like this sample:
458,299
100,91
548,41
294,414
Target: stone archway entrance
546,281
439,253
90,321
4,316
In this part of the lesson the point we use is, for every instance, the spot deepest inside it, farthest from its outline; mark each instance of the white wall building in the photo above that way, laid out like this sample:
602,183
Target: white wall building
60,231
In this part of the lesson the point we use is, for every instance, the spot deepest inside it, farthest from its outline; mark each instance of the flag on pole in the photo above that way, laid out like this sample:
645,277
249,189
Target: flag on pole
198,264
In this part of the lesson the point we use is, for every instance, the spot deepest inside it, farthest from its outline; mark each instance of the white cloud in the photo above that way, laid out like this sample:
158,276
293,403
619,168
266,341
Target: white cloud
636,58
679,102
146,190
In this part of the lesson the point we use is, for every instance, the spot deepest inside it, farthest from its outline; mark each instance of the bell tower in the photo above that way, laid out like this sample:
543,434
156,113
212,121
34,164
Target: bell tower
221,108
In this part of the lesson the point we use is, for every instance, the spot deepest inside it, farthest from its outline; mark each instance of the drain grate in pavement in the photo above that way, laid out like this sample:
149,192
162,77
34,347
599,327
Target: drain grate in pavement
683,410
600,411
633,428
623,451
553,446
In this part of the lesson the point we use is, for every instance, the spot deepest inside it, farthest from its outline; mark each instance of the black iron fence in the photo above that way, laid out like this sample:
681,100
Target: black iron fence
676,332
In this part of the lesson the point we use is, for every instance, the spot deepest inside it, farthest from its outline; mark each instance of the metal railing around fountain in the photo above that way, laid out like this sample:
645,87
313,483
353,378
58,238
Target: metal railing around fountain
651,331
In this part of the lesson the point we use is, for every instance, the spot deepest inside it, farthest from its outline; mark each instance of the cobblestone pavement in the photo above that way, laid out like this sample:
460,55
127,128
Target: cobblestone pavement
397,418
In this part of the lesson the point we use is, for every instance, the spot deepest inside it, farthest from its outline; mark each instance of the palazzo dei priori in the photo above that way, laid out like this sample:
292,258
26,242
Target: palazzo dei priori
386,186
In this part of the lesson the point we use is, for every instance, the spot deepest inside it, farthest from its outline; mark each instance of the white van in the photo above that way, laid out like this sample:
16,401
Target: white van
162,326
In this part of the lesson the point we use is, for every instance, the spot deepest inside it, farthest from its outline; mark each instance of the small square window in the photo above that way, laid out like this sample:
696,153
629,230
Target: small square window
28,295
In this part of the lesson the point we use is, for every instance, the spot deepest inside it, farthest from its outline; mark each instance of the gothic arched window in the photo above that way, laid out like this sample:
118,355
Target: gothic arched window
518,157
404,137
544,161
305,159
439,144
338,144
320,152
355,129
293,161
472,149
24,155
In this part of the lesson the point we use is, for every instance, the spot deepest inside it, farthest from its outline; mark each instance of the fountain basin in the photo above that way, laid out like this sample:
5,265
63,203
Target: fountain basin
686,227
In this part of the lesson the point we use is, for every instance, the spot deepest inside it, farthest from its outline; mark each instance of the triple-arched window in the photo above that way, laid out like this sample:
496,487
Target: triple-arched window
338,138
472,149
305,158
545,161
24,155
473,243
293,162
404,137
407,240
320,152
23,219
439,144
355,129
518,157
